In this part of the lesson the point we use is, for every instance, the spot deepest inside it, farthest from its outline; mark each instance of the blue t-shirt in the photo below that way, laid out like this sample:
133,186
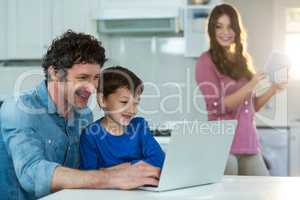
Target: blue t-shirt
100,149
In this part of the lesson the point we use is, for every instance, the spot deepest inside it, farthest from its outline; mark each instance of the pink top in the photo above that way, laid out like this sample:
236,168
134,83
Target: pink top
215,86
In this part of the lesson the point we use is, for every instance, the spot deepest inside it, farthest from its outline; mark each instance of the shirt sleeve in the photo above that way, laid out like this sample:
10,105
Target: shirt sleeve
152,152
26,150
89,159
210,85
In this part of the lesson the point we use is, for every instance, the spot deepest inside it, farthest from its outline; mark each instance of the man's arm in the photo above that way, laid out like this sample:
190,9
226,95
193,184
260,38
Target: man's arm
26,150
64,178
40,176
124,176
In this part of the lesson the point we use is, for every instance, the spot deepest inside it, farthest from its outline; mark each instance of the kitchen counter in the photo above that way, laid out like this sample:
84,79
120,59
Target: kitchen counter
230,188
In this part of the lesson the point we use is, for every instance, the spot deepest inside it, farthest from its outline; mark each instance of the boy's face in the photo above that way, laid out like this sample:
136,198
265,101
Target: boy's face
120,106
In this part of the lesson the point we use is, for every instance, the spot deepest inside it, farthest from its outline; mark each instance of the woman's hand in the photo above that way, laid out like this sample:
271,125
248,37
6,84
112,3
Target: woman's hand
278,87
264,98
255,80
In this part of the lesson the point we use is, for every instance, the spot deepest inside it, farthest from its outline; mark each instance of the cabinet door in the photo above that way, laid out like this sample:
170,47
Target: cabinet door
3,28
294,162
29,28
75,15
275,149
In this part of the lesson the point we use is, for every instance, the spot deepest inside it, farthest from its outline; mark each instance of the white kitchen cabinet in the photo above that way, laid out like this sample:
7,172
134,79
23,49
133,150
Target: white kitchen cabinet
275,149
78,16
195,28
196,39
15,80
294,162
29,28
32,24
74,14
3,27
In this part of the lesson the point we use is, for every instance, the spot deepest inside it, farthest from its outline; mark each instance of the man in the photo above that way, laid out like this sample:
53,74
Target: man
39,140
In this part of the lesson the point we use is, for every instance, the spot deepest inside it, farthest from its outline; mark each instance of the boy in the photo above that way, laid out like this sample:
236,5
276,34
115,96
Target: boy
118,137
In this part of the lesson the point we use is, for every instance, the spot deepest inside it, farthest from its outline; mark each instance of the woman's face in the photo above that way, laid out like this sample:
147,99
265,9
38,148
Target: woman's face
224,33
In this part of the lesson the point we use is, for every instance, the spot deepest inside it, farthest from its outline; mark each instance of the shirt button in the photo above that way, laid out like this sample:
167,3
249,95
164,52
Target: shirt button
246,102
49,141
246,111
215,103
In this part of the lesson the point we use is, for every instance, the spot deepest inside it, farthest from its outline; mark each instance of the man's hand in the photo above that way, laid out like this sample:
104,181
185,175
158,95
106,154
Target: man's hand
126,176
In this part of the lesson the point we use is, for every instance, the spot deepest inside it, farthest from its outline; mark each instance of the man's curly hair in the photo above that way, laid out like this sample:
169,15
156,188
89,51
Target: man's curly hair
73,48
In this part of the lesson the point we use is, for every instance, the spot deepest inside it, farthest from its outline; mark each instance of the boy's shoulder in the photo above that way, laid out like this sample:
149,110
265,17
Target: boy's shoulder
138,125
93,128
138,120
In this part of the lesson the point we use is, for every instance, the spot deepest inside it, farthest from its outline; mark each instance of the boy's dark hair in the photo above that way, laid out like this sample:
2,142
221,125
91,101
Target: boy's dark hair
73,48
113,78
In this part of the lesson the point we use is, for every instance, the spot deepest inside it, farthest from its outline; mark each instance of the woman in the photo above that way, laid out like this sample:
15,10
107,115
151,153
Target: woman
227,80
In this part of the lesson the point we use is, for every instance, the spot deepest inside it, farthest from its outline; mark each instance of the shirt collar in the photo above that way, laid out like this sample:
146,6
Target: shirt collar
46,101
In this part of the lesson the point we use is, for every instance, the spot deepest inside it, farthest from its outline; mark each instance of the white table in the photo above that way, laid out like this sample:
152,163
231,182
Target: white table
230,188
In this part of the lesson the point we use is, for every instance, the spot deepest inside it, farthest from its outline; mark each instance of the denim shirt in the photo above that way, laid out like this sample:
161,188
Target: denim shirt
34,140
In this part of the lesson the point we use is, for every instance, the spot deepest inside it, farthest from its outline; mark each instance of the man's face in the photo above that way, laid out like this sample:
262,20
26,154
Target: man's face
81,81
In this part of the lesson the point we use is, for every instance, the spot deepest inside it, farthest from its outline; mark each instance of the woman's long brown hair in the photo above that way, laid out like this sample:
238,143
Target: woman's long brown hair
240,66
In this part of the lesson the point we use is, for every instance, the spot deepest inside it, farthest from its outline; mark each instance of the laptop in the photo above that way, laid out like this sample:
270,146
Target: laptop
196,154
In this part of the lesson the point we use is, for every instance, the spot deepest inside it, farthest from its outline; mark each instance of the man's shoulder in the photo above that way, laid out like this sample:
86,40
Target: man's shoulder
21,107
27,98
85,116
18,103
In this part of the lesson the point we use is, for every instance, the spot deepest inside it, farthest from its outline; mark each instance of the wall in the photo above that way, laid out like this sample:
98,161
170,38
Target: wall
169,77
257,17
16,79
140,53
294,85
159,59
265,21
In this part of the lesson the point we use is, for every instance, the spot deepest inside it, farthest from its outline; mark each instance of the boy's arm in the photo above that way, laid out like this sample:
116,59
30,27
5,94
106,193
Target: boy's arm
152,152
89,158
